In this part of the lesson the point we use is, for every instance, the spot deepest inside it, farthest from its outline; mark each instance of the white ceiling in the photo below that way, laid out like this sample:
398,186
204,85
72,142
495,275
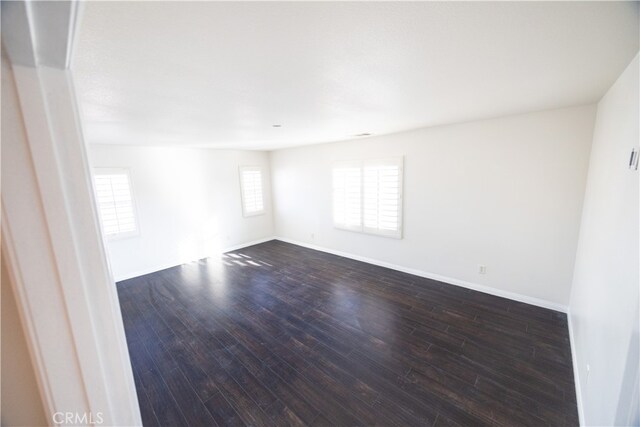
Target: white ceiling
221,74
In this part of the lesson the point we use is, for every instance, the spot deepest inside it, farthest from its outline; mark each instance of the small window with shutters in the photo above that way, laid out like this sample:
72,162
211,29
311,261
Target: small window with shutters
251,189
114,198
367,196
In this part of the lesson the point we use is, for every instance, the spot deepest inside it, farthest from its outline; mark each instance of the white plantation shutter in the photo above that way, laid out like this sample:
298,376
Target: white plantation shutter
347,196
382,198
115,202
251,186
367,196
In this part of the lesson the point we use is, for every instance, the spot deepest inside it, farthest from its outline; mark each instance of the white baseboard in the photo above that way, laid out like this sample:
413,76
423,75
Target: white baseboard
138,273
449,280
576,371
186,261
244,245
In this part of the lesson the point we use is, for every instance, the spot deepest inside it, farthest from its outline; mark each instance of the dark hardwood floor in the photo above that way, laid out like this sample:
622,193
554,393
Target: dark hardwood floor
276,334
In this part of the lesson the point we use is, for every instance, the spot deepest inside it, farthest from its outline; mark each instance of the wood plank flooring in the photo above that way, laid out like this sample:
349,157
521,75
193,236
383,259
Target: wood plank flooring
276,334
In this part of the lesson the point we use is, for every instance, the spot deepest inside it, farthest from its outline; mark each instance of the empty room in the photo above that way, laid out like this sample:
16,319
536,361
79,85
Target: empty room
320,213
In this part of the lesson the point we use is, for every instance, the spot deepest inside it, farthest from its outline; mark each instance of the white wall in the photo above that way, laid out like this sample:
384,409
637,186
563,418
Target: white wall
506,193
188,204
604,298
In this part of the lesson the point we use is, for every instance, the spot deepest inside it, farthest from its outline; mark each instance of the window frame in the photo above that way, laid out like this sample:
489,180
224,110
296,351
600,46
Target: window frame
111,171
242,169
362,164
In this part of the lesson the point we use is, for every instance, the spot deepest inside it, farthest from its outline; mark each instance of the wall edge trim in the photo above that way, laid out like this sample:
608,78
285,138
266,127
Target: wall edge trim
433,276
161,267
428,275
576,371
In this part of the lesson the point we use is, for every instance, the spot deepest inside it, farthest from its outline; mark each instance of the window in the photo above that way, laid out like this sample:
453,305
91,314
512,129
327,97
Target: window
115,202
347,196
367,196
251,189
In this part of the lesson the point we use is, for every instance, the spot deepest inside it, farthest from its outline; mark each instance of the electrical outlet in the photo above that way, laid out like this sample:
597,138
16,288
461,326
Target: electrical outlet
482,269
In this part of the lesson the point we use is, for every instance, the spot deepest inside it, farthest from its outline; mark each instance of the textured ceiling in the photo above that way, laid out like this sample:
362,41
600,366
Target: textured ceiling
221,74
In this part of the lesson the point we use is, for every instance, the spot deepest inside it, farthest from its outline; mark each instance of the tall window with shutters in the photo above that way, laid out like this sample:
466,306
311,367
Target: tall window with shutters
115,203
252,190
367,196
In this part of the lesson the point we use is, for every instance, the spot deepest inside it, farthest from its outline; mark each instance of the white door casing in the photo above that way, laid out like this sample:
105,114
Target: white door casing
50,230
